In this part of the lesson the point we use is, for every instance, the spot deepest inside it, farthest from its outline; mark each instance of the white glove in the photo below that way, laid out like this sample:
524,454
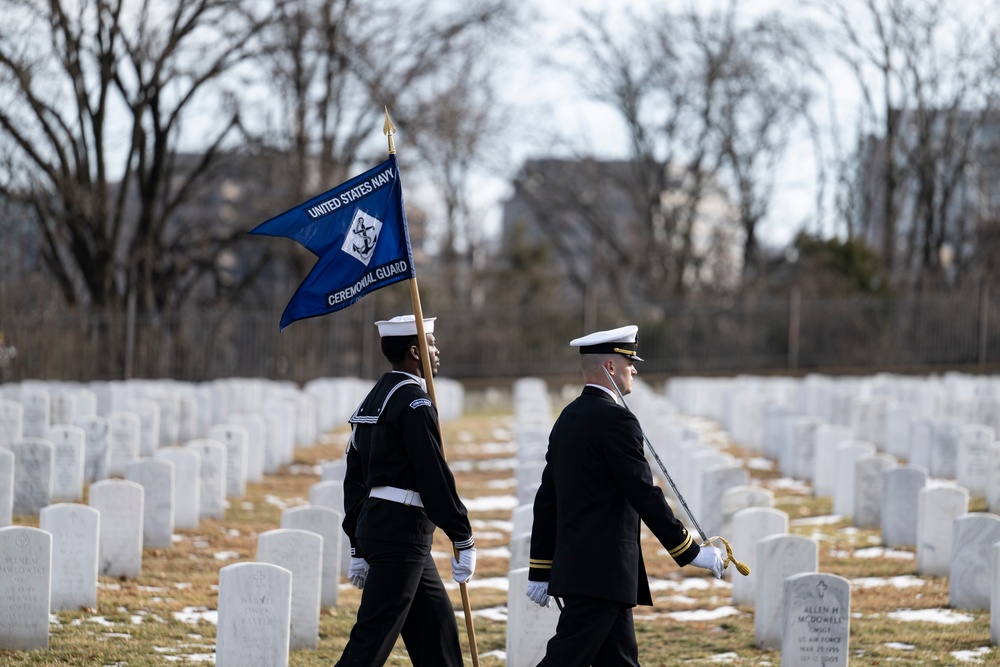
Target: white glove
538,592
710,558
463,568
358,572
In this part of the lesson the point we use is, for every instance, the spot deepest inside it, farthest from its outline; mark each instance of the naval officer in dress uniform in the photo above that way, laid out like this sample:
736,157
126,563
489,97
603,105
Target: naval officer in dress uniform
397,490
596,487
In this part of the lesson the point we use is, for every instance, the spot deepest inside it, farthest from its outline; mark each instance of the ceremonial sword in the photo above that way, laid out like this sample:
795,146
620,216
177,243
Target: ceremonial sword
740,567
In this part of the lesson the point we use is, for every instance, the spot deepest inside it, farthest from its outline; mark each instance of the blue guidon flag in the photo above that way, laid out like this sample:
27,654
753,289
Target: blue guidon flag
358,231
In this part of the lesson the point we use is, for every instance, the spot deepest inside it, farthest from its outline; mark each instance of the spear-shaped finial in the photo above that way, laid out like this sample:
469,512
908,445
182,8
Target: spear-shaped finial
388,129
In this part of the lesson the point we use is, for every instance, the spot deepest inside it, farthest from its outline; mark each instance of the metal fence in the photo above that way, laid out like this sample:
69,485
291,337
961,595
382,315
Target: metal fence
739,336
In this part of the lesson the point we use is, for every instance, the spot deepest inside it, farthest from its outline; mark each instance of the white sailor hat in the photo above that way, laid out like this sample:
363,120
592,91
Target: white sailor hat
623,340
403,325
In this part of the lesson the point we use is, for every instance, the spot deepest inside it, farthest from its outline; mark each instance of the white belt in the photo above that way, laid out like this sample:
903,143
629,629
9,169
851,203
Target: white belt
404,496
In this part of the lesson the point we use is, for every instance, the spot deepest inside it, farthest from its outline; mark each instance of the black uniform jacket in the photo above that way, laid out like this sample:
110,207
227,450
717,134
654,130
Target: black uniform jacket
396,442
595,488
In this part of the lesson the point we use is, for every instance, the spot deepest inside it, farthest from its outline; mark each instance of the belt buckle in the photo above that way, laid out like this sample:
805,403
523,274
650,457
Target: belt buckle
408,497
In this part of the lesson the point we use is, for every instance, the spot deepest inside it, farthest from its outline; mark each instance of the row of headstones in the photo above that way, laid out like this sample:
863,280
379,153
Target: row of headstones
61,569
870,487
940,509
806,449
56,567
83,547
946,425
909,507
279,415
184,484
170,412
863,403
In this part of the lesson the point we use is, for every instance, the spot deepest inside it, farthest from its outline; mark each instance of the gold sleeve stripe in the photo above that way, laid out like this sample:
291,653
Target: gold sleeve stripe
540,564
684,545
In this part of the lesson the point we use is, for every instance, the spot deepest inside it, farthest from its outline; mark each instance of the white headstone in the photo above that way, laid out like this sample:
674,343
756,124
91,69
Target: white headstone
971,560
331,494
25,586
156,477
36,412
714,483
327,523
11,422
868,489
6,487
778,557
187,416
901,485
749,527
848,453
301,553
333,471
995,596
280,424
187,485
976,447
67,470
944,448
84,404
148,411
921,441
95,448
123,441
817,620
256,431
740,498
520,550
828,437
235,438
798,457
937,507
170,409
120,503
307,427
74,529
62,409
897,430
522,517
255,602
33,465
529,627
993,486
213,476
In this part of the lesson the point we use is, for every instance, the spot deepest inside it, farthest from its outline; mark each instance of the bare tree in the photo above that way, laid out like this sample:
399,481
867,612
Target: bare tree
427,61
97,94
926,73
709,106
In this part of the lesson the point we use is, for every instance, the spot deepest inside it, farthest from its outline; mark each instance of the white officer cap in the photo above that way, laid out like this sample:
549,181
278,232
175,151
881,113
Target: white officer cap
623,340
403,325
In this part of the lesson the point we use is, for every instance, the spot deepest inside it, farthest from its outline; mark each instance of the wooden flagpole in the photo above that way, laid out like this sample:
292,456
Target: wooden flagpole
425,361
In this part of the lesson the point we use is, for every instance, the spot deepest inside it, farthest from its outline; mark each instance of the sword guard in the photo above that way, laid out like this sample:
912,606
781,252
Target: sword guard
742,568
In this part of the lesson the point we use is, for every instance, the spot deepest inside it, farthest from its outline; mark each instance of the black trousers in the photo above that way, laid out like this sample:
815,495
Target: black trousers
592,633
404,596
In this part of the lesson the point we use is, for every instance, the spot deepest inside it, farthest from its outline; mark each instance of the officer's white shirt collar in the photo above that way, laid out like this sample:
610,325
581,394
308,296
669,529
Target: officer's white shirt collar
423,382
610,393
